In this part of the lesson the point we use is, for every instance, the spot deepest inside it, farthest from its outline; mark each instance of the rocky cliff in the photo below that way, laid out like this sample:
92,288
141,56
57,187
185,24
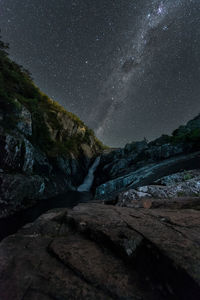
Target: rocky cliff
140,163
44,150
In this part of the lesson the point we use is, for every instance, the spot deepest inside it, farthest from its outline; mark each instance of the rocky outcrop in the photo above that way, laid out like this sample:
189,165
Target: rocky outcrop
146,175
123,167
179,185
104,252
134,156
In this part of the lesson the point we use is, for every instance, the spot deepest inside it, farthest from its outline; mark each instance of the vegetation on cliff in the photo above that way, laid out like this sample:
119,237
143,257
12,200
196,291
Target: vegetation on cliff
16,89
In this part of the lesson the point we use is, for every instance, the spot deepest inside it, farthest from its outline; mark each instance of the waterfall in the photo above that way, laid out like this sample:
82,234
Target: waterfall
88,181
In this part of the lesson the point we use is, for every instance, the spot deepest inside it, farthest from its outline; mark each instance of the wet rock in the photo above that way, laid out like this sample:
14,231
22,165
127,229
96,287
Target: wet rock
104,252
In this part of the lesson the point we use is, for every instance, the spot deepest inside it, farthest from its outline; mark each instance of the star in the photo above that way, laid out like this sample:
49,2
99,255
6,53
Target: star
160,9
111,62
165,27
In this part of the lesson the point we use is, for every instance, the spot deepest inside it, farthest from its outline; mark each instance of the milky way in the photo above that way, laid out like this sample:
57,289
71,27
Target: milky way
129,69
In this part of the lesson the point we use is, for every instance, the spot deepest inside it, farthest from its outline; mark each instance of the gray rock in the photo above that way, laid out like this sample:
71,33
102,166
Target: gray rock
19,191
136,147
178,177
11,147
144,175
140,154
25,123
119,166
183,184
64,165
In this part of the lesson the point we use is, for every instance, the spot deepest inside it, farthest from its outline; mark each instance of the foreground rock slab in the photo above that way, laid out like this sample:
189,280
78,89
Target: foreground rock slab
104,252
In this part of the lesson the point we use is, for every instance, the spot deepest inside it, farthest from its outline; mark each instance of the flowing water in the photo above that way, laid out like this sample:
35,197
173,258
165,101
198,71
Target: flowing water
88,181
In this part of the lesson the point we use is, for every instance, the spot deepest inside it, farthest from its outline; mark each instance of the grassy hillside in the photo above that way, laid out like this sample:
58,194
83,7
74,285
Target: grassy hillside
16,86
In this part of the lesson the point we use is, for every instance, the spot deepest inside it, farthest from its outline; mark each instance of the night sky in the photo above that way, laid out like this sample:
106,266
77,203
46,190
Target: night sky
128,68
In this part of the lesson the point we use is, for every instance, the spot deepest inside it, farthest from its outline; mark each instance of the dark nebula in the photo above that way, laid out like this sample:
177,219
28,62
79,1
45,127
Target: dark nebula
128,69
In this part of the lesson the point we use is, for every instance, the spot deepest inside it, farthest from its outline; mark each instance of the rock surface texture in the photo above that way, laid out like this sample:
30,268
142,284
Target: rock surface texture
104,252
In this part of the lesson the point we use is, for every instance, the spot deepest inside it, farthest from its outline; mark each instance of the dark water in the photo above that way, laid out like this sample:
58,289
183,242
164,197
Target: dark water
13,223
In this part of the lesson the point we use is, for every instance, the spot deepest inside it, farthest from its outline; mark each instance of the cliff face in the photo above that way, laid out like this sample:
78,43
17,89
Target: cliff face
44,150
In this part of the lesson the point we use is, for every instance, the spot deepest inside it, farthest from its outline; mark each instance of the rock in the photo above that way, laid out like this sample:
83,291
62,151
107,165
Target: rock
18,154
136,155
11,148
25,121
41,144
136,147
132,198
178,177
165,151
120,165
183,184
104,252
28,171
191,125
64,165
27,174
18,191
146,201
145,175
187,188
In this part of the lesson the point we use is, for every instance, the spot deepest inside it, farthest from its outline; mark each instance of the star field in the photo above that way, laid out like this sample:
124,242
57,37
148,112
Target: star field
128,69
